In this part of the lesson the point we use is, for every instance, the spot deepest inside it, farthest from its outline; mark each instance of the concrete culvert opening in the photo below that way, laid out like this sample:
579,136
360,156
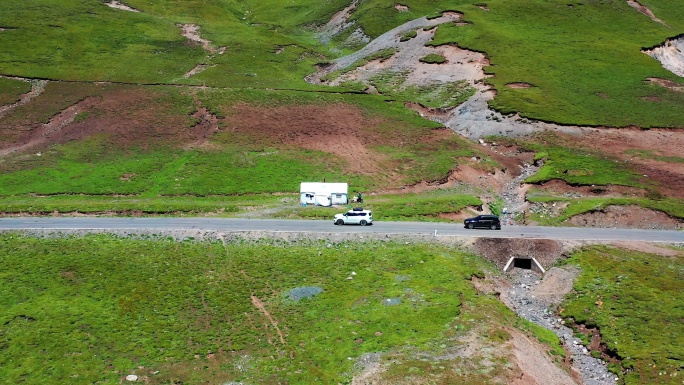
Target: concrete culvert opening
524,263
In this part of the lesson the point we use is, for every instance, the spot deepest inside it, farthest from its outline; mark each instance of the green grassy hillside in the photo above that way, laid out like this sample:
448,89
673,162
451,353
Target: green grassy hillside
138,129
583,59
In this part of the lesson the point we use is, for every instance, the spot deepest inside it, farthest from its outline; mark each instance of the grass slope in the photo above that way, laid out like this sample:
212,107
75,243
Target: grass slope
141,155
97,308
583,59
635,300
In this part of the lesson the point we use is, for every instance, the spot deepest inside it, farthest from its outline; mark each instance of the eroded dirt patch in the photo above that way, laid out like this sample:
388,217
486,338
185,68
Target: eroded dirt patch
191,32
335,129
536,366
390,39
627,216
519,85
129,117
119,5
670,54
669,84
643,9
205,128
52,131
474,358
560,188
534,298
401,7
649,248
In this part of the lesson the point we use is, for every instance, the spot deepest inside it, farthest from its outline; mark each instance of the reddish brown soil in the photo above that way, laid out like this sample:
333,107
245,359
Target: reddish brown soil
340,129
669,84
128,116
519,85
335,129
627,216
666,177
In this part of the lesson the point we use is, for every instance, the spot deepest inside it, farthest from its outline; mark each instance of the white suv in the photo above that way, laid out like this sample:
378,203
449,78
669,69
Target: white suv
354,217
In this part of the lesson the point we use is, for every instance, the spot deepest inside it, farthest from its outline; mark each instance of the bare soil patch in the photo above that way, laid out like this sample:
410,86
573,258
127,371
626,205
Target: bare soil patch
519,85
670,54
130,117
191,31
649,248
52,132
555,285
460,64
627,216
401,7
669,84
339,129
537,368
260,305
643,9
119,5
207,126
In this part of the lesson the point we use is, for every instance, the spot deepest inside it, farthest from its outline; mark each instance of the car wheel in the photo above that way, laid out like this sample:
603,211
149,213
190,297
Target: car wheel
493,227
471,226
339,222
363,222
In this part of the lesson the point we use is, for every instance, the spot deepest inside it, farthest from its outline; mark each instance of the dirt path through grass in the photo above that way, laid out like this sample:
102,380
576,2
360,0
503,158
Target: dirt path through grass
50,132
37,87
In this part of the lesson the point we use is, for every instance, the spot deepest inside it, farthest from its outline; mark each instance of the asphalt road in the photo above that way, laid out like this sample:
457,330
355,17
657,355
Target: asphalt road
318,226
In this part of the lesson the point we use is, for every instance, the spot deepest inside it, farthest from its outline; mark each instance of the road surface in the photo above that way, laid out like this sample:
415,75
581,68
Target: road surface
321,226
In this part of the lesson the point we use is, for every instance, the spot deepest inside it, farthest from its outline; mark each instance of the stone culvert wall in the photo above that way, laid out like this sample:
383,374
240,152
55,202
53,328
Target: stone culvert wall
500,250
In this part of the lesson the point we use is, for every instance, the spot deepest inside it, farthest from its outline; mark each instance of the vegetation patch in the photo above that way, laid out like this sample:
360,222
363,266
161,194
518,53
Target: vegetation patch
408,36
12,89
433,58
634,300
100,307
575,206
148,156
582,167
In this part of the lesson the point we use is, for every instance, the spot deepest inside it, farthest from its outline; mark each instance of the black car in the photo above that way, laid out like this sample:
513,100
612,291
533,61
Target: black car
484,221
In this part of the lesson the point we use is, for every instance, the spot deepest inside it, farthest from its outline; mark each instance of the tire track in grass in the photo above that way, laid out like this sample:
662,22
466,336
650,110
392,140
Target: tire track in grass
260,305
